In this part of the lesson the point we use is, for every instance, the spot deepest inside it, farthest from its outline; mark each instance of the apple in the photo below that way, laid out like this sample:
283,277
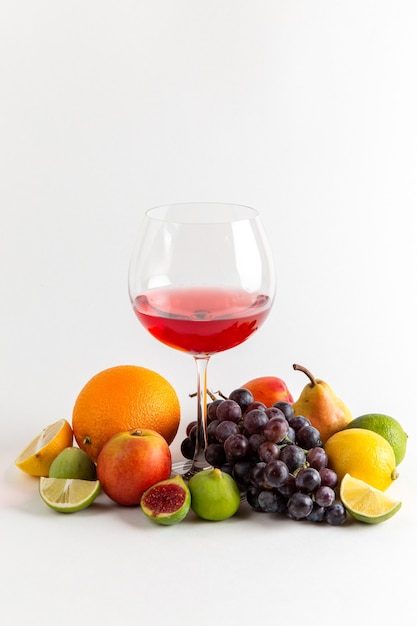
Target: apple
269,389
132,461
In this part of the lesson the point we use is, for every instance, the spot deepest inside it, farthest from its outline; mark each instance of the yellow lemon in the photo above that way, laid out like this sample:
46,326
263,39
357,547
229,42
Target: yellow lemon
365,503
37,457
363,454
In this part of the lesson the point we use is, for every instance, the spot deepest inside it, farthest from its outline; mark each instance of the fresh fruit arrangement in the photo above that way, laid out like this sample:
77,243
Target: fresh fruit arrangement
305,460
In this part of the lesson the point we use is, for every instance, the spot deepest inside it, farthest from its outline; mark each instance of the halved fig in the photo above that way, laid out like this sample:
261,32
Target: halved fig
167,502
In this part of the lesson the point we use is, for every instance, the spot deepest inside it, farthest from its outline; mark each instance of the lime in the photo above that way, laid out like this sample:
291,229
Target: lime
68,495
386,426
363,454
73,462
215,495
365,503
38,455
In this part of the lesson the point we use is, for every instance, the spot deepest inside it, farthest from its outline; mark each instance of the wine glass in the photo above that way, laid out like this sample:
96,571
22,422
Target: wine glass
201,280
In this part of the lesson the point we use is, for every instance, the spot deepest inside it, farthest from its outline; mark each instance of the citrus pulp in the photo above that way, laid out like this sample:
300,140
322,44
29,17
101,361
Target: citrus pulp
365,503
37,457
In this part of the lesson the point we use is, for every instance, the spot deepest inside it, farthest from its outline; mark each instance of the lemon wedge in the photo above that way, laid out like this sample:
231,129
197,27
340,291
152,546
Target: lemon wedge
38,455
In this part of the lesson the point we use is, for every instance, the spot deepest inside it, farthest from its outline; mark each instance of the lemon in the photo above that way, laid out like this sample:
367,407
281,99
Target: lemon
363,454
68,495
386,426
365,503
37,457
73,462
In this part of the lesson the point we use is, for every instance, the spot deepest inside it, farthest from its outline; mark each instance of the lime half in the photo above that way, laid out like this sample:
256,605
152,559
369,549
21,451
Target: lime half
365,503
68,495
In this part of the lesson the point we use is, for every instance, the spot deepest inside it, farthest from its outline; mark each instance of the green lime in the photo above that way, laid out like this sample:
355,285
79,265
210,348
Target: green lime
386,426
214,494
68,495
365,503
73,462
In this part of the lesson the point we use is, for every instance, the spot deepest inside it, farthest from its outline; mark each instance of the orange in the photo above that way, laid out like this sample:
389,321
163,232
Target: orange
269,389
124,398
38,455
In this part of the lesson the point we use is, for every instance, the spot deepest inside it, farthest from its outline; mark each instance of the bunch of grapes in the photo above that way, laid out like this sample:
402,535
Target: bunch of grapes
275,456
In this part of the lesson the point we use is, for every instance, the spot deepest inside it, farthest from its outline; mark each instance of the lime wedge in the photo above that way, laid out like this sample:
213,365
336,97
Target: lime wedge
365,503
68,495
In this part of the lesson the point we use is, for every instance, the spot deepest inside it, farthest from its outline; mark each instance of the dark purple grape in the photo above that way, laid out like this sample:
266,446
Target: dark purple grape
317,513
187,448
256,405
307,479
215,454
276,429
254,443
324,496
190,426
192,432
317,458
286,408
229,410
225,429
243,397
255,421
241,470
293,456
328,477
275,473
256,474
212,409
274,412
298,421
268,451
211,431
227,468
271,501
288,486
290,435
335,515
252,493
308,437
299,505
236,446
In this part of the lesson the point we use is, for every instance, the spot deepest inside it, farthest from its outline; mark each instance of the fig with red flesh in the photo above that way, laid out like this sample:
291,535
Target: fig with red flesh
167,502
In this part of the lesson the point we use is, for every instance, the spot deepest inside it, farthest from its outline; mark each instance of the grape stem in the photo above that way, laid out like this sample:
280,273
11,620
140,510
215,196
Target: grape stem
211,395
301,368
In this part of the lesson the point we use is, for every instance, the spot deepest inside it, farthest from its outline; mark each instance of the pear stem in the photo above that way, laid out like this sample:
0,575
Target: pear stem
301,368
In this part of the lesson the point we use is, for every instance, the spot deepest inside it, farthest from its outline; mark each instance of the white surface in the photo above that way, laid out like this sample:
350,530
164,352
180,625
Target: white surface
303,109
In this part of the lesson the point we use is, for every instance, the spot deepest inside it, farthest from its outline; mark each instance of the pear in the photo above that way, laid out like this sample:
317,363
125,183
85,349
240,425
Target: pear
323,408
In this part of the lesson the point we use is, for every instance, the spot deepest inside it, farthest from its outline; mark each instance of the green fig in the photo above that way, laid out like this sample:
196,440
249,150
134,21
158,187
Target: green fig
321,406
215,495
167,502
73,462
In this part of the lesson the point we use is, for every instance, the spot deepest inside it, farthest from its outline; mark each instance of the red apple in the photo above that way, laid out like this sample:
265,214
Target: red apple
131,462
269,389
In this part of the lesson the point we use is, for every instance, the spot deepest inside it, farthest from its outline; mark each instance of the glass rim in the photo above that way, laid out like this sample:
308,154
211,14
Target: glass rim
206,212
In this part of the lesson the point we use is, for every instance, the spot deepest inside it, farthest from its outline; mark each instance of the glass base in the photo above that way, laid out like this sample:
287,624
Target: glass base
184,468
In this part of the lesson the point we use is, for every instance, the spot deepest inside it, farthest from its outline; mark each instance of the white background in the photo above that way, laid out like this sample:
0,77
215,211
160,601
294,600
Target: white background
305,110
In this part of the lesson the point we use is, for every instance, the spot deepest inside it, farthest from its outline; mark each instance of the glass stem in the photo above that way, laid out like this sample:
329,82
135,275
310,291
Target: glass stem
199,461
